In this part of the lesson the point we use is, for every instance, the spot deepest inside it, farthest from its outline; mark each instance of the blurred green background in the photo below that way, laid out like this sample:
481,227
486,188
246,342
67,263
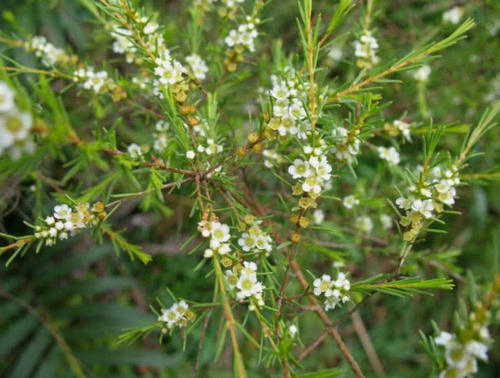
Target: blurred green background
89,295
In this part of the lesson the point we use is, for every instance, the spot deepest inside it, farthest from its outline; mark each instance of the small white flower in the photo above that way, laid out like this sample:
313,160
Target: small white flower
292,330
364,224
453,15
7,96
318,216
14,127
386,221
350,201
366,48
423,73
62,212
335,53
220,232
300,168
404,128
456,355
444,338
322,285
198,66
389,154
208,253
477,349
190,154
135,151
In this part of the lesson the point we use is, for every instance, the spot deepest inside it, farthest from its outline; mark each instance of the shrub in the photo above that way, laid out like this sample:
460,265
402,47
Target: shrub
290,180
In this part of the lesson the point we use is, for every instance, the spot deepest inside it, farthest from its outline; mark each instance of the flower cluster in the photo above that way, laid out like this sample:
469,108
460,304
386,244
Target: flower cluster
211,148
243,279
347,143
15,125
67,221
313,174
123,44
160,136
427,199
178,315
366,51
255,239
240,39
463,349
391,155
170,72
335,292
48,53
96,81
219,237
272,158
197,67
398,127
289,115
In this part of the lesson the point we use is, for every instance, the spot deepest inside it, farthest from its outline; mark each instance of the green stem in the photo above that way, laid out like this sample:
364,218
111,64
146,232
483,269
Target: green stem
229,319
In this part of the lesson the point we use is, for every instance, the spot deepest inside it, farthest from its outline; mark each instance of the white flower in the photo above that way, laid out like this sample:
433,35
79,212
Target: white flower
322,285
350,201
444,338
62,212
7,96
423,73
49,54
246,285
220,232
386,221
389,154
300,168
366,48
335,53
122,44
134,151
150,27
95,80
176,315
364,224
198,66
477,349
318,216
456,355
311,184
404,128
190,154
292,330
169,71
14,127
453,15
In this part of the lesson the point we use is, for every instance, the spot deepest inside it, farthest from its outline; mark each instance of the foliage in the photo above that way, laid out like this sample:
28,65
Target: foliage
266,173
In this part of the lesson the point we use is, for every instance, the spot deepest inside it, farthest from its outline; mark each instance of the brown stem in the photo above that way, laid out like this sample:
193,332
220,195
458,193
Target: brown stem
332,331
